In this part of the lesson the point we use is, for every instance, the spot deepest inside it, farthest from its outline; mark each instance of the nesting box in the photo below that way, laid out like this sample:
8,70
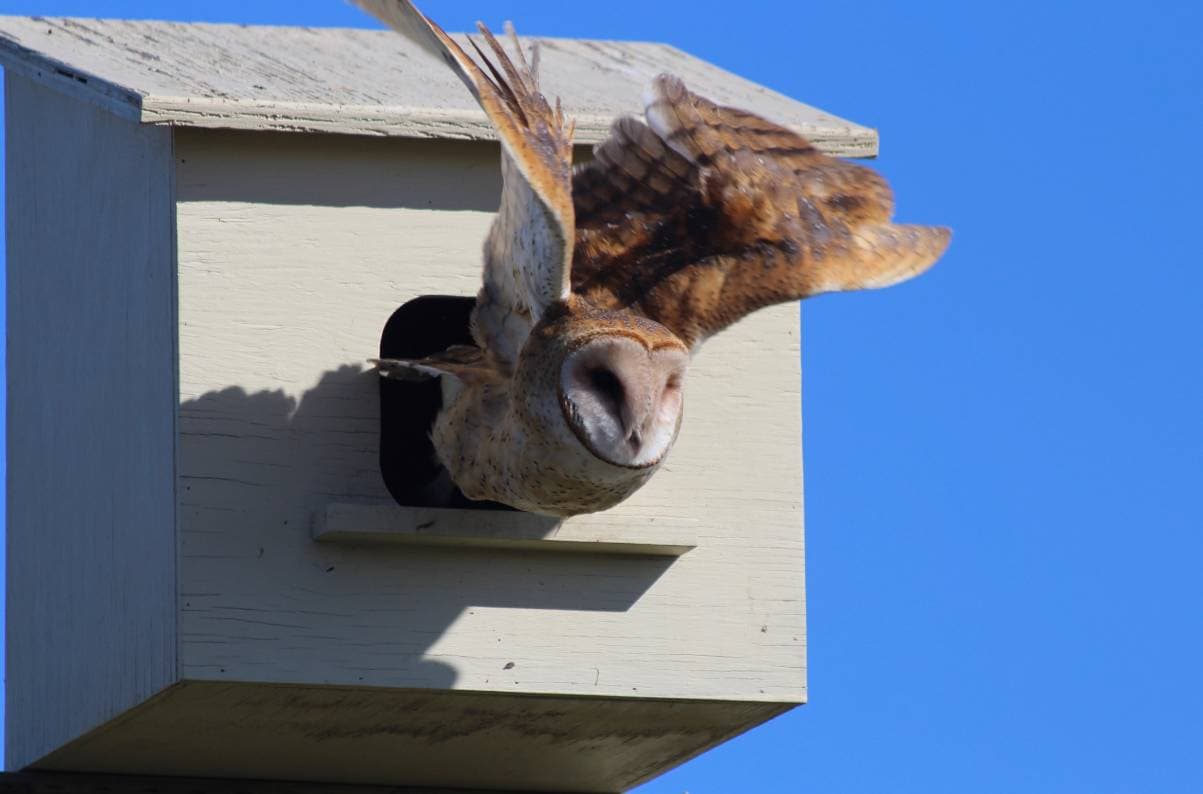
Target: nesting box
208,229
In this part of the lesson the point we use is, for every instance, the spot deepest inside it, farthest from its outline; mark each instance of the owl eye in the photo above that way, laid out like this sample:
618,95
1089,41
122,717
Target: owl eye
607,384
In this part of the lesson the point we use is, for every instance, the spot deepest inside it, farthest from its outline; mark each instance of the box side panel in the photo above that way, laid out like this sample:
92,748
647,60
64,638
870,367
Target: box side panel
91,417
294,251
461,740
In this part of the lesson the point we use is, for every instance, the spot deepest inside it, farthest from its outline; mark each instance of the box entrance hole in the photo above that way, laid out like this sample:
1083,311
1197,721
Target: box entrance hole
411,469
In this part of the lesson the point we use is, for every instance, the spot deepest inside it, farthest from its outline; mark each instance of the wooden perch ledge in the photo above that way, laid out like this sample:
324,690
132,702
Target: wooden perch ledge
595,533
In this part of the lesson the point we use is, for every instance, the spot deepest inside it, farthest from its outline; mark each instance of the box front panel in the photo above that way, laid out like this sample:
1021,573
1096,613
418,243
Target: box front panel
294,250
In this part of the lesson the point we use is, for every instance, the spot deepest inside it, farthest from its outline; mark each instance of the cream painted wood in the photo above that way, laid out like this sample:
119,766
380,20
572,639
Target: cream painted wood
293,251
469,740
169,609
361,82
91,624
597,533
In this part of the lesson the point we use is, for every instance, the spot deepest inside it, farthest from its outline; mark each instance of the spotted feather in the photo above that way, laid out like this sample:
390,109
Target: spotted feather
706,213
528,252
599,281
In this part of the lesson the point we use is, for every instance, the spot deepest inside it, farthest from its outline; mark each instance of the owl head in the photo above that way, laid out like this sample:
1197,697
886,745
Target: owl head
609,382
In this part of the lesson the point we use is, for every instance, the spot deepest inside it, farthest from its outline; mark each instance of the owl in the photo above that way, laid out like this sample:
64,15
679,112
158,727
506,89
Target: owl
601,281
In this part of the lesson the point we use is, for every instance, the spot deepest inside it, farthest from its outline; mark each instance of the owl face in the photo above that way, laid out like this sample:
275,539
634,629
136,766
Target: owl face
601,387
622,397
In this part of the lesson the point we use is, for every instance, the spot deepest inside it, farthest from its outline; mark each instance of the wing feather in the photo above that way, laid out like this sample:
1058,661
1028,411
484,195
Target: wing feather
462,362
528,253
706,213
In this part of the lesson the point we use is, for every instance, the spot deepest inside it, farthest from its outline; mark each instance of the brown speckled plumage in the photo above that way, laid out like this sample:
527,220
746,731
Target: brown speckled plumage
680,226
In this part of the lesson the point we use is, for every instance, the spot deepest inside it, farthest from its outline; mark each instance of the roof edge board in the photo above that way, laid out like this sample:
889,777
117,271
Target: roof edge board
70,80
410,122
840,137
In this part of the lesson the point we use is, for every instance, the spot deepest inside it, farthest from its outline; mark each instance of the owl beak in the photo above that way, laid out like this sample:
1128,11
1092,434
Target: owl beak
637,421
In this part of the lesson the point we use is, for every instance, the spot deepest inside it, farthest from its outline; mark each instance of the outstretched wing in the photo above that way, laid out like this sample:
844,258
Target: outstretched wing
705,214
528,253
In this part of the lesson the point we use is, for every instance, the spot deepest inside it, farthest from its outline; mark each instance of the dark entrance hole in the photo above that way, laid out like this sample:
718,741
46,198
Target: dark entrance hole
411,470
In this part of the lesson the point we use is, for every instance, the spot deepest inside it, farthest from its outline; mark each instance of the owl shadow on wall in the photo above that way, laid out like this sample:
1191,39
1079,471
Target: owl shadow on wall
256,468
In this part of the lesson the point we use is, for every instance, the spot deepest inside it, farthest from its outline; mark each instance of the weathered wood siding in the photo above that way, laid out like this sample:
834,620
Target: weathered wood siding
415,738
293,252
91,417
362,82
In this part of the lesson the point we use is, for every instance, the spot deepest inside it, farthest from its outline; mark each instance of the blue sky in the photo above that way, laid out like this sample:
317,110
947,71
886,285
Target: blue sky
1004,458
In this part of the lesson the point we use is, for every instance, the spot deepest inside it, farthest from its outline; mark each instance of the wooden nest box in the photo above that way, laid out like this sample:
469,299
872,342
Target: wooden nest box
208,228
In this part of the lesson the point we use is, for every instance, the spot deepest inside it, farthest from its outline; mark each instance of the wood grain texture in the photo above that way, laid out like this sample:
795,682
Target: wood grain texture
462,740
82,783
594,533
294,250
91,417
279,78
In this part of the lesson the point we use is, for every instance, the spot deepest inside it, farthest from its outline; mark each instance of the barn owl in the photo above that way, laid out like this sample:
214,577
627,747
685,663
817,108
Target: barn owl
600,281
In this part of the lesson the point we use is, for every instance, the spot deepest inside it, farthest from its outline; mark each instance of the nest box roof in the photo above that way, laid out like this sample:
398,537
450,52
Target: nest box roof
357,82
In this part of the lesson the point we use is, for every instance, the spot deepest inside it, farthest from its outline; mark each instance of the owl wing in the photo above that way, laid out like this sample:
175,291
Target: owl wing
528,253
706,213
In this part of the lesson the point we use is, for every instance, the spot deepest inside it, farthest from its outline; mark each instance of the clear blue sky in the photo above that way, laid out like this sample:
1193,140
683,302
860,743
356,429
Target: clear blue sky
1004,459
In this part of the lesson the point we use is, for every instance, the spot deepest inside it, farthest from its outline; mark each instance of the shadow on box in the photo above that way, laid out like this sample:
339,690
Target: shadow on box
256,467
